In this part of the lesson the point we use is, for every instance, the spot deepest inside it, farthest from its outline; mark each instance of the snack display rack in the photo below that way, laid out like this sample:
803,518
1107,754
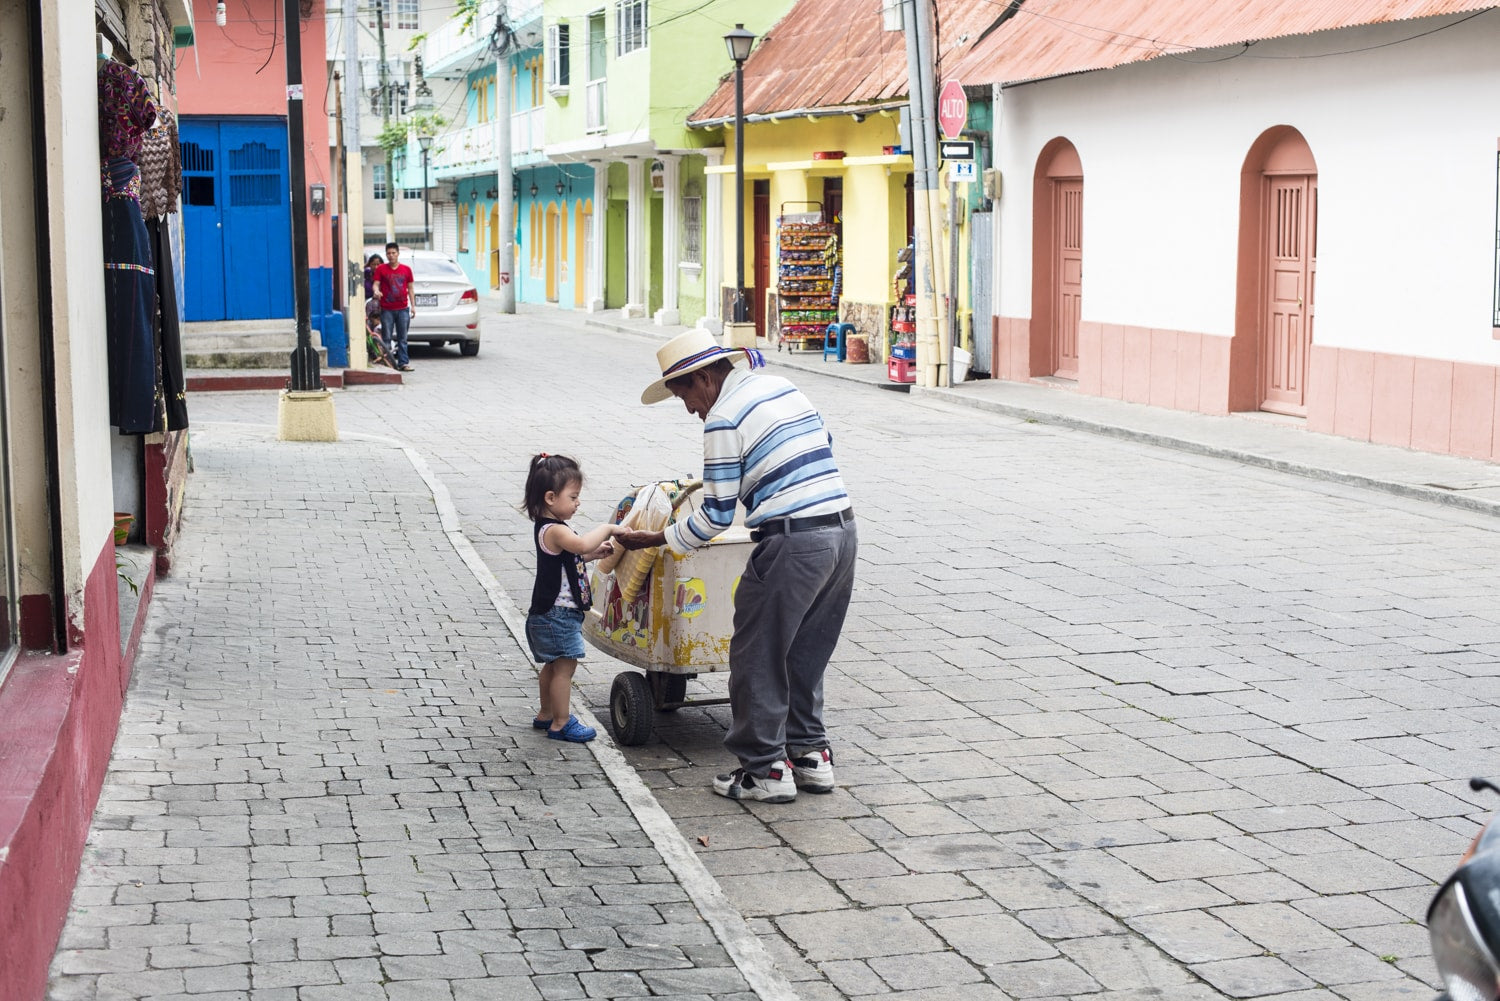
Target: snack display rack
809,276
902,347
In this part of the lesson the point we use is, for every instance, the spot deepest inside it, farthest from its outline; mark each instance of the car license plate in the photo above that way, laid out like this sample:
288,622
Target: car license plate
427,300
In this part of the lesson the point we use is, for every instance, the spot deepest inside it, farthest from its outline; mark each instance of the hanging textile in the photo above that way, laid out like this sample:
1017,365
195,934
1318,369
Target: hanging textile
126,112
135,400
161,168
169,343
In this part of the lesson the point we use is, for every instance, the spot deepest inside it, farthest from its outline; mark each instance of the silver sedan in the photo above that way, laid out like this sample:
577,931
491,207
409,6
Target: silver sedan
445,302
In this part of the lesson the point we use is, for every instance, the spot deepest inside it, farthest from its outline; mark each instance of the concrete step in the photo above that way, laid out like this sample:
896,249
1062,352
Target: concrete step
285,323
223,380
231,340
277,358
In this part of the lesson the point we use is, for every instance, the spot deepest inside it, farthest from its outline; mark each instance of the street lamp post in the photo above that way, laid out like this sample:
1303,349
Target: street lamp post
425,141
739,42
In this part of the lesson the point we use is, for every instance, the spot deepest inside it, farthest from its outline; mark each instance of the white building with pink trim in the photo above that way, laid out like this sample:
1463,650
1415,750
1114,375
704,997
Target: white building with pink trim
1269,209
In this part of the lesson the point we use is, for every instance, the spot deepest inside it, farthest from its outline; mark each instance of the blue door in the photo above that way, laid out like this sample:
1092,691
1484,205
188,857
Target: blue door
237,223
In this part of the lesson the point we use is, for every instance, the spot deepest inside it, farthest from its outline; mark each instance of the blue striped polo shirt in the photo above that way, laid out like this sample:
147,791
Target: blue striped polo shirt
766,447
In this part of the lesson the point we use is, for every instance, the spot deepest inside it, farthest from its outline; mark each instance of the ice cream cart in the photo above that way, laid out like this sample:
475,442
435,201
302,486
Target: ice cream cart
670,616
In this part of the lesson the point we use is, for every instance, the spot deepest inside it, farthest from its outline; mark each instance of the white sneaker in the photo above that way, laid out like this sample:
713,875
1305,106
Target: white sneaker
813,770
776,787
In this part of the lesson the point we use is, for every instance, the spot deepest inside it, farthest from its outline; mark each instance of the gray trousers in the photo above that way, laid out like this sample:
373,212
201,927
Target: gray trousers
788,612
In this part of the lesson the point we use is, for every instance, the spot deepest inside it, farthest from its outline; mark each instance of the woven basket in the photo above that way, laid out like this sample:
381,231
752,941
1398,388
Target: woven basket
653,510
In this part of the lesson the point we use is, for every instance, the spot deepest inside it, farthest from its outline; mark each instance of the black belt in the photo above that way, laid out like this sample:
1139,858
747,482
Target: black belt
785,526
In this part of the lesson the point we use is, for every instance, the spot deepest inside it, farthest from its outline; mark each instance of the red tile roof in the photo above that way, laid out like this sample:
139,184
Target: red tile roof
1047,38
835,53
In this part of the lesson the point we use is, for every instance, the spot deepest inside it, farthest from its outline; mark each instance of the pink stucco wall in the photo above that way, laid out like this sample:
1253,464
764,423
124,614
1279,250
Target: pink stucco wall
222,75
50,775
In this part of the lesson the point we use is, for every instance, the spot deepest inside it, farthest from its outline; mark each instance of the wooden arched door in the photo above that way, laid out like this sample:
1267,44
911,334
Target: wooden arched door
1289,255
1057,261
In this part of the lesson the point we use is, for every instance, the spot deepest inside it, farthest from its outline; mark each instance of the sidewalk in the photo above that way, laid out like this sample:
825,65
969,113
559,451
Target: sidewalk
1256,439
326,786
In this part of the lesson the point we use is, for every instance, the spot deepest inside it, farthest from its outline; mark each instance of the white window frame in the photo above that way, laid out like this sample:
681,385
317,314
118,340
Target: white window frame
377,181
412,194
379,10
632,19
558,58
408,14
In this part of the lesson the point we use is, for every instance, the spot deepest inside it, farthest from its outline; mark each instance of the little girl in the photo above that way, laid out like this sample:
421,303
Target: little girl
560,597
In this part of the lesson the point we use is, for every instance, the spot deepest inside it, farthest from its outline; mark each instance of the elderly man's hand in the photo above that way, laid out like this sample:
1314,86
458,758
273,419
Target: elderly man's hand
640,540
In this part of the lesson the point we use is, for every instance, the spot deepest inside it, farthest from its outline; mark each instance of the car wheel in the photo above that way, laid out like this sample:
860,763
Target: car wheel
468,348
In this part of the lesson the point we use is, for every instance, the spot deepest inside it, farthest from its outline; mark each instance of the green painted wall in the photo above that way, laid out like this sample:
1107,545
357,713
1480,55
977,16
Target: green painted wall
696,61
614,239
652,90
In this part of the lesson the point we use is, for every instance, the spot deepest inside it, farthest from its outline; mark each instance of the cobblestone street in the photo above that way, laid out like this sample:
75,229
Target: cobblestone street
1109,721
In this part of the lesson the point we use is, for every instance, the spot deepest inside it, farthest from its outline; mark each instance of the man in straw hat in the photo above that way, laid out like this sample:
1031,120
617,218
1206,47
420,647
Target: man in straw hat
765,446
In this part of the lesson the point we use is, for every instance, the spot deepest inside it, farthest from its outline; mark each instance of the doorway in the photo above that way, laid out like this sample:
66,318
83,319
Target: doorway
1067,274
1290,256
1057,261
550,252
1277,276
762,242
235,205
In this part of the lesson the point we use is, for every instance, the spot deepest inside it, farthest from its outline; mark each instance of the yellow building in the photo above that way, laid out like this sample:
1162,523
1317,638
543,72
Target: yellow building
823,138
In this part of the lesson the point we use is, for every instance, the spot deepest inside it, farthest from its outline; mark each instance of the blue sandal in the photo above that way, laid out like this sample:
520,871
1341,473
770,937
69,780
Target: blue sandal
573,731
540,724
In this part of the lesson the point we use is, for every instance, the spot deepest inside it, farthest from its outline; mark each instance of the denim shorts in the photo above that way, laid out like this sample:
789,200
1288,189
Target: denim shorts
554,634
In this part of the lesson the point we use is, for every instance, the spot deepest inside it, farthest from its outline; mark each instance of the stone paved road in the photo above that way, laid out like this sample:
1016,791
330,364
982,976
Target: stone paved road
1110,721
364,812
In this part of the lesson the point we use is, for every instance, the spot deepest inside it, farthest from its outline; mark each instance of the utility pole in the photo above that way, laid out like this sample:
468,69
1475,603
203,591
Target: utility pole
917,26
381,7
353,194
503,169
340,204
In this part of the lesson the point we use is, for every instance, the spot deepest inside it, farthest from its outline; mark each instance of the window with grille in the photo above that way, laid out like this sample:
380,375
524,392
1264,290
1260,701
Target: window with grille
692,226
411,194
377,181
380,10
408,13
559,70
630,26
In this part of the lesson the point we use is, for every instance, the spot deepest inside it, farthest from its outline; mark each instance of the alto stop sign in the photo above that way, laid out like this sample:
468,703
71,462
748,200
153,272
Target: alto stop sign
953,109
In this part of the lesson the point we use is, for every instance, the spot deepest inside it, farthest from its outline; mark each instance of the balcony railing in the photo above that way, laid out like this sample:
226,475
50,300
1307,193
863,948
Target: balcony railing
465,148
595,118
450,47
526,134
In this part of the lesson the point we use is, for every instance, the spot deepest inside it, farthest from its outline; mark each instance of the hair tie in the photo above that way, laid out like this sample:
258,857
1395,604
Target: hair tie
542,455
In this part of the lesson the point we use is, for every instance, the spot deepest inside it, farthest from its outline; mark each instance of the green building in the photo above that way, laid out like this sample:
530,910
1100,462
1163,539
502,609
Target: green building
621,79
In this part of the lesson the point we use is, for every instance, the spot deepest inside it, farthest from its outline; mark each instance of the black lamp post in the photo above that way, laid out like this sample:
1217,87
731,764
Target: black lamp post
739,42
425,141
304,360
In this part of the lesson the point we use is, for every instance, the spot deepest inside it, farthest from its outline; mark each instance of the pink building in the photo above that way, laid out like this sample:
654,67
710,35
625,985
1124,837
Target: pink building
236,205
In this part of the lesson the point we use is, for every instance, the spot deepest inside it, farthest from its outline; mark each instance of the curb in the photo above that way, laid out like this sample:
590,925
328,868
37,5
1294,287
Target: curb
1411,491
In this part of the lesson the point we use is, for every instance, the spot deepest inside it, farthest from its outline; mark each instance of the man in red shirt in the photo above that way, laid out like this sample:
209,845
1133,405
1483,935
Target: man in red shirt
392,281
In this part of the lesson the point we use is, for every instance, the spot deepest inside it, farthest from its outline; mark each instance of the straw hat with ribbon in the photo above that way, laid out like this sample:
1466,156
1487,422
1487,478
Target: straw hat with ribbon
689,352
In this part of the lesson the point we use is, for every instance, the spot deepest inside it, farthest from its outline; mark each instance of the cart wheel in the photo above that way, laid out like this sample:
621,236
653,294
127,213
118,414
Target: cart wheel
630,708
669,690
